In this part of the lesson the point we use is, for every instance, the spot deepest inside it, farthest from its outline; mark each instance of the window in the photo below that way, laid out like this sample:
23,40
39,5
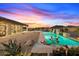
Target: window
2,30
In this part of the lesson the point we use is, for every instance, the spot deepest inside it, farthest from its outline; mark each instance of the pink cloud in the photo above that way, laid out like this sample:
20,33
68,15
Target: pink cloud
20,17
72,23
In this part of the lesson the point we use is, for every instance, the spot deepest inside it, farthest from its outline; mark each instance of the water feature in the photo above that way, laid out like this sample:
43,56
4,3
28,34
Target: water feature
62,40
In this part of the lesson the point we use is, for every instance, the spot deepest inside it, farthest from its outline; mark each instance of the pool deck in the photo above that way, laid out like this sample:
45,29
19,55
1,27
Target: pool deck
37,36
41,48
25,38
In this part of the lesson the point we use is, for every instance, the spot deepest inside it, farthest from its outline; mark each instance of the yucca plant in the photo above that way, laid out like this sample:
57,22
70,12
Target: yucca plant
12,48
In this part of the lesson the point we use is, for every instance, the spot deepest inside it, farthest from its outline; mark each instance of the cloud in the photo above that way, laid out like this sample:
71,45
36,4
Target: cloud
72,23
31,13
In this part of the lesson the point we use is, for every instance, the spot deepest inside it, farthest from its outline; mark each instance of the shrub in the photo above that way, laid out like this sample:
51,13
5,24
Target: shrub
59,52
74,51
12,48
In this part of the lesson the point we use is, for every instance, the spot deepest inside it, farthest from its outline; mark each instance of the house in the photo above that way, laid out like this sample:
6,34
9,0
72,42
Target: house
8,27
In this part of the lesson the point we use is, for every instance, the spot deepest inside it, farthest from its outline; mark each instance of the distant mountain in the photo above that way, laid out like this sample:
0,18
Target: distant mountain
62,26
72,26
37,25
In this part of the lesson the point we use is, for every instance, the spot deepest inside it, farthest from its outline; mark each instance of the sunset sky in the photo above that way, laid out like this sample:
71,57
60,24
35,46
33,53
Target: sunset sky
49,14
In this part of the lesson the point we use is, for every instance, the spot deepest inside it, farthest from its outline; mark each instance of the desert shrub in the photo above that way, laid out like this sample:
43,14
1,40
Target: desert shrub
59,52
12,48
74,51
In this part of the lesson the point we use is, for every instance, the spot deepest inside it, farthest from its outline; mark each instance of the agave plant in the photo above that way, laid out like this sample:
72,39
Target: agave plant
12,48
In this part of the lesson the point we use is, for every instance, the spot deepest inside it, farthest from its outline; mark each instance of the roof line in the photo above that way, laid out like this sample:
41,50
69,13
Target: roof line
12,20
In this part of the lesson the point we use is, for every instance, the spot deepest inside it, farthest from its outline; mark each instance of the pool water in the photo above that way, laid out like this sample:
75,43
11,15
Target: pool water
62,40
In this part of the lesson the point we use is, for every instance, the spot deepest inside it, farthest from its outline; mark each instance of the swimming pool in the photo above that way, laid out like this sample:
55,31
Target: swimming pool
62,40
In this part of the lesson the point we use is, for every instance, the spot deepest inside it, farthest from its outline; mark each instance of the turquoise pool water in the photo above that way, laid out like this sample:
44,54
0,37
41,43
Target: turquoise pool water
62,40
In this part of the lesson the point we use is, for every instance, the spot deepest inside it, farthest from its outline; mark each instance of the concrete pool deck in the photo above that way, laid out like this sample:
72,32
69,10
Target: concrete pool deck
22,37
27,37
41,48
